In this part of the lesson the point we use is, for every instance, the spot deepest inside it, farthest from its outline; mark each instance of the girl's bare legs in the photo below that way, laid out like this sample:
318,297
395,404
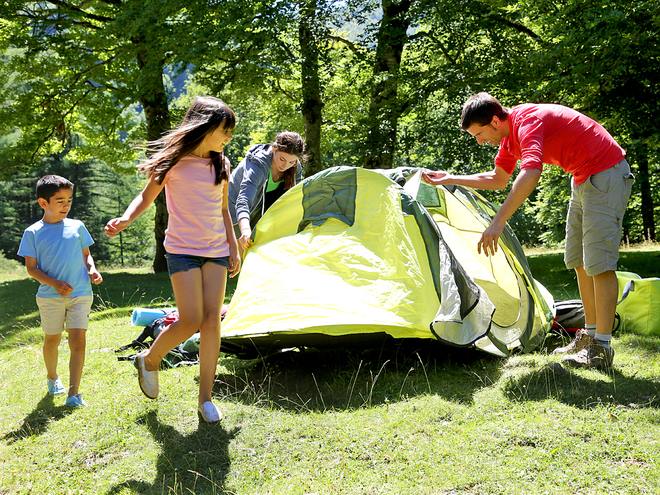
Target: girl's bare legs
188,294
214,280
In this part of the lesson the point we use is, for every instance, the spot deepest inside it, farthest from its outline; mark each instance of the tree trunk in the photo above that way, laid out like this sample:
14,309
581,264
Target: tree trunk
153,99
384,108
648,221
312,104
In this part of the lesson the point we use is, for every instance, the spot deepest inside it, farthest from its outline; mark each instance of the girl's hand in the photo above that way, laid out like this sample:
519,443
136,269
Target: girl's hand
234,261
245,241
115,226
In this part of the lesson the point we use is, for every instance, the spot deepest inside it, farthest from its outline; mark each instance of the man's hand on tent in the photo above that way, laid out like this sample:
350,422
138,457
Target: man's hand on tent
436,177
488,241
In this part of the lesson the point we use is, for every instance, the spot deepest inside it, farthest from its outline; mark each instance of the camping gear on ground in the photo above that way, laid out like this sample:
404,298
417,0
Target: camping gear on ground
145,316
569,316
186,353
350,255
639,303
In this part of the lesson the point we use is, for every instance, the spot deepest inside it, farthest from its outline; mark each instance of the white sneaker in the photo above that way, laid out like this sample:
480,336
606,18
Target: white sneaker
55,386
209,413
148,380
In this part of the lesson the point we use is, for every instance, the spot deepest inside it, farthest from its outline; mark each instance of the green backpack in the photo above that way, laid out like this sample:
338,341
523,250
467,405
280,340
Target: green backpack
639,303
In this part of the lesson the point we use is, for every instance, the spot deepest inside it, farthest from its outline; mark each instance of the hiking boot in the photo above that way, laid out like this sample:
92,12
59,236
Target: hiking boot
581,341
55,387
595,356
148,380
209,413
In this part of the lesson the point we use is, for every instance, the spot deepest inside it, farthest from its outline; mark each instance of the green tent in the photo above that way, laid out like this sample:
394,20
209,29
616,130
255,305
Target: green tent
355,255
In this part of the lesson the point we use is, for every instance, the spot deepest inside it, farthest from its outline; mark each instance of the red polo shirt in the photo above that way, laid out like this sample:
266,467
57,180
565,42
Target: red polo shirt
545,133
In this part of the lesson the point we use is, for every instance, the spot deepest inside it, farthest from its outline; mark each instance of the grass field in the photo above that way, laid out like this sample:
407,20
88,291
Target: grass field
384,421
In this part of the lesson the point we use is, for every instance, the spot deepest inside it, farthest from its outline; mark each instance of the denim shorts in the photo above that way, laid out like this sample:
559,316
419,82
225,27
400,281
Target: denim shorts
184,262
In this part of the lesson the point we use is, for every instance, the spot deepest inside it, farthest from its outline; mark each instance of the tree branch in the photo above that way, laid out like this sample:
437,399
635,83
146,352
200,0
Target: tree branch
275,84
354,47
516,25
78,10
53,130
427,34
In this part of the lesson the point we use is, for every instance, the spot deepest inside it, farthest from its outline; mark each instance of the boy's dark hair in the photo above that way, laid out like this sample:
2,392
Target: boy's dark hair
50,184
480,109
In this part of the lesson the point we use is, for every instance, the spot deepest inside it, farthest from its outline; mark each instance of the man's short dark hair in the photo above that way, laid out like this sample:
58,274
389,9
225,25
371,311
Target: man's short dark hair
480,109
50,184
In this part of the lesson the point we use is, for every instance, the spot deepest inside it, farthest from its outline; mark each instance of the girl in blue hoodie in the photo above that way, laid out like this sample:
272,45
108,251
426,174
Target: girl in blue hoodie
266,172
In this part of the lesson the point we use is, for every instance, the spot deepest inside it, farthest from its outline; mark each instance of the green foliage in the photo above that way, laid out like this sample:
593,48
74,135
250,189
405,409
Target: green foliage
74,79
100,193
8,266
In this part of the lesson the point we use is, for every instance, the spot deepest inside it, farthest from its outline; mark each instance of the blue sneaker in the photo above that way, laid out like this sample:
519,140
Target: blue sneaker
75,401
55,387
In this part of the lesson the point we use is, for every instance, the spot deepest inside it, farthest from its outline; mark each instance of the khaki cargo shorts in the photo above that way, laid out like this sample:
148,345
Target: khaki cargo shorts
595,219
56,311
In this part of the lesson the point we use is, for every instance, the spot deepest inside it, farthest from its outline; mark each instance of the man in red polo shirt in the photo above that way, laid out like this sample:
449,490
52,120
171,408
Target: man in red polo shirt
535,134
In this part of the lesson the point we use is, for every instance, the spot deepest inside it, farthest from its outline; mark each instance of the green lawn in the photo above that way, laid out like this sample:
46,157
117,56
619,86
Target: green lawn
386,421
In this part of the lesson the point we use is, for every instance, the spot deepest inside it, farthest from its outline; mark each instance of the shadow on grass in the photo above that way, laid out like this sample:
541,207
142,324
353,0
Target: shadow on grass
193,463
38,420
584,390
313,380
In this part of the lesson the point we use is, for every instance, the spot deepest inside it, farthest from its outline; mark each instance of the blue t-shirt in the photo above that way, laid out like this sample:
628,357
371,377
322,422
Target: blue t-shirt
57,248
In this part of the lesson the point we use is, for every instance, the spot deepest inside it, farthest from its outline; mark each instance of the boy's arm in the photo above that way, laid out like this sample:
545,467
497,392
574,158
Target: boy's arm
62,288
94,274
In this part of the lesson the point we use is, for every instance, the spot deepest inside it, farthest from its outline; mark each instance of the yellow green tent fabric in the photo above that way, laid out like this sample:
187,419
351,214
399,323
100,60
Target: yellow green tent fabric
350,254
639,303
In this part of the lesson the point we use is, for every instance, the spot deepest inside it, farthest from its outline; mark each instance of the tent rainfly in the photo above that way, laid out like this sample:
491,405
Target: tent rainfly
354,255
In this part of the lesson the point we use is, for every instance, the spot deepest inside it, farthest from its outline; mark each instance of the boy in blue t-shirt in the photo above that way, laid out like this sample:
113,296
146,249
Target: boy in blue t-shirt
56,252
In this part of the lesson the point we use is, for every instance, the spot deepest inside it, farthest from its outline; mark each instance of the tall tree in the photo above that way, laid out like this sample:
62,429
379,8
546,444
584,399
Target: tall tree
312,104
385,105
89,64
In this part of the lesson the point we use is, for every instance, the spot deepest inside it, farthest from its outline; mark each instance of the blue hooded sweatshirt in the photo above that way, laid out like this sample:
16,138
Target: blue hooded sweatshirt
247,185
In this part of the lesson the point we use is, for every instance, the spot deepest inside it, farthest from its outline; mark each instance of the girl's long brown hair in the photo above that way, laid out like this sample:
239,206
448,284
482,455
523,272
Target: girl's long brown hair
204,115
291,143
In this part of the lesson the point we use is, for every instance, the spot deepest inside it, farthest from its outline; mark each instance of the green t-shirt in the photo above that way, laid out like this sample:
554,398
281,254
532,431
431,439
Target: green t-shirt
272,185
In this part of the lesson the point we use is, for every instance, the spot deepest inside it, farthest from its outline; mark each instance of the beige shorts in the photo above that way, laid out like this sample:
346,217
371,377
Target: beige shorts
56,311
595,219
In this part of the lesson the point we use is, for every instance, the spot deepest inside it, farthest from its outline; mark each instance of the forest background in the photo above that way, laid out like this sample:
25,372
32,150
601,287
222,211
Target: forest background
378,84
